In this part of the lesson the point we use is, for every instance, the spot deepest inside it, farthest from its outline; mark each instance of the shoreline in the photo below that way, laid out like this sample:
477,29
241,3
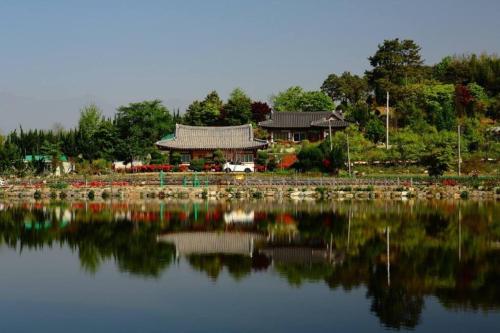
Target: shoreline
220,192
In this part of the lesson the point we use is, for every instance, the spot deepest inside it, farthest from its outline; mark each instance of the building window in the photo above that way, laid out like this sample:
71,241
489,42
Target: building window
185,158
280,135
244,158
299,136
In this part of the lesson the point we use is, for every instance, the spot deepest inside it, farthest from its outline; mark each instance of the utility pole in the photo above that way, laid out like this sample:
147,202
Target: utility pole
348,155
387,122
459,153
330,132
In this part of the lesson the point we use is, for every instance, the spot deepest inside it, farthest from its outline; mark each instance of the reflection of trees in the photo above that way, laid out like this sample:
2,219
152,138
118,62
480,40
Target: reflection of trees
132,246
430,252
238,266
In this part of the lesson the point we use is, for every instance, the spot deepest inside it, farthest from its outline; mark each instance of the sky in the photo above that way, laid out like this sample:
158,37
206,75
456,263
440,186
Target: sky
58,55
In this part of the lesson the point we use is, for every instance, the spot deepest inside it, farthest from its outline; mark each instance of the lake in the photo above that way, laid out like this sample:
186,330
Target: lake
254,266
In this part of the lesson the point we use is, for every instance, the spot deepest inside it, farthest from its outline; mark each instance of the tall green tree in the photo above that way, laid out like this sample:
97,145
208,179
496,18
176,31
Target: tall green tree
88,124
206,112
140,125
395,64
238,109
346,88
296,99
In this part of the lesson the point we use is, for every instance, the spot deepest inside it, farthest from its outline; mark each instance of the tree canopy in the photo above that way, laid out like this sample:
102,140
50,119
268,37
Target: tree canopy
296,99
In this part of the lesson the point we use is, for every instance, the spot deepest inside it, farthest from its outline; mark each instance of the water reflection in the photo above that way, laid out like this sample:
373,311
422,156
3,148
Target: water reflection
400,251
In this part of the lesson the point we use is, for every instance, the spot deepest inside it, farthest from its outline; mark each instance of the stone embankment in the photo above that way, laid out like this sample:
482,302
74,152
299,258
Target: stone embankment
224,192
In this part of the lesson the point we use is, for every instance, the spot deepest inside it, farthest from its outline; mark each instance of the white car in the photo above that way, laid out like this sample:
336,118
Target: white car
239,167
2,182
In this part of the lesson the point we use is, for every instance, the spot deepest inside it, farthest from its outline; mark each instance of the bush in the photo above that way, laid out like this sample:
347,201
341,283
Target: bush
105,195
91,195
197,164
37,195
175,158
310,157
63,195
464,195
58,185
219,157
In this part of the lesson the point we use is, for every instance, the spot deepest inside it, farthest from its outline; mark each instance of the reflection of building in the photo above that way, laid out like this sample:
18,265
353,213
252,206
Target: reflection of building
300,255
239,216
188,243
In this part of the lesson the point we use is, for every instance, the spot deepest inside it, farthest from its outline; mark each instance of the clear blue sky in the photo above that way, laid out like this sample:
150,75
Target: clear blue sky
59,54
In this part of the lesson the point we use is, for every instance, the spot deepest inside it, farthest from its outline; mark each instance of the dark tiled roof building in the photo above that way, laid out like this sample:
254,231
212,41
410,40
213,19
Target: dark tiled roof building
237,142
298,126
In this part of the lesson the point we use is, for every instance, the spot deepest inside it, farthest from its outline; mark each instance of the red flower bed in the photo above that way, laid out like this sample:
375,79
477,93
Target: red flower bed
260,168
151,168
449,182
212,167
287,161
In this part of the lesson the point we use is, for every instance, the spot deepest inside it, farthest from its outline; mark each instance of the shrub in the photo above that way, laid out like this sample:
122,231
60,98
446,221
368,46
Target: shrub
175,158
63,195
310,157
105,195
197,164
464,195
58,185
91,195
37,195
219,157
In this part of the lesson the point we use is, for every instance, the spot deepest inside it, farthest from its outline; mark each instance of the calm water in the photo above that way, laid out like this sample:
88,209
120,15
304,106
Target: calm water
250,267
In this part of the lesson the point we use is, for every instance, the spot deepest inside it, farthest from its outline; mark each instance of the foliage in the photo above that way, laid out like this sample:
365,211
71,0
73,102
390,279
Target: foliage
359,113
375,130
88,126
206,112
175,158
139,125
346,88
310,157
219,157
296,99
439,151
260,111
408,145
197,164
395,64
238,109
483,70
262,157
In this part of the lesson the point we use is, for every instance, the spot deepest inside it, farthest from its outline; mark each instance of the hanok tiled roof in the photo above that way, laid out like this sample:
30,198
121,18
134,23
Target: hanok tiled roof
287,119
201,137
